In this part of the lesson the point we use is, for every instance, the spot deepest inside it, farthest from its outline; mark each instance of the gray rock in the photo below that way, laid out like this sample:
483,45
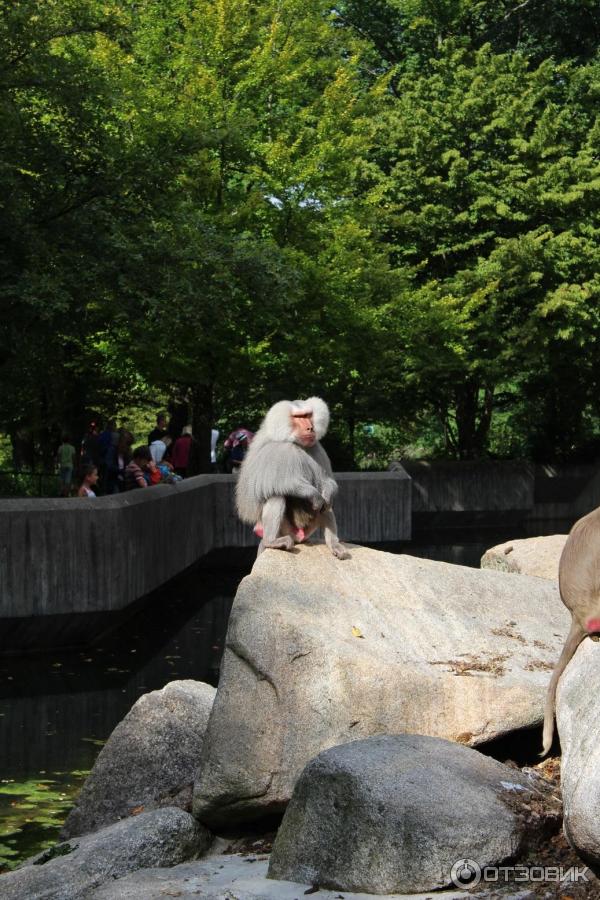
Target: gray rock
71,870
149,759
537,556
578,722
320,652
397,813
245,878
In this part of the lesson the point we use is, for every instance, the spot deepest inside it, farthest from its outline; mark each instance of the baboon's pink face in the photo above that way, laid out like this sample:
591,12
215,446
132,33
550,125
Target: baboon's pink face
303,429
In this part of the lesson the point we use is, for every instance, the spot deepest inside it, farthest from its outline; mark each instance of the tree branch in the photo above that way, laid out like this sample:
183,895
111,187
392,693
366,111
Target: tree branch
68,32
77,204
517,9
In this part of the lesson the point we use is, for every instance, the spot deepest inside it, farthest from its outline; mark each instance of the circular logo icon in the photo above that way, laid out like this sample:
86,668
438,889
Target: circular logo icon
465,873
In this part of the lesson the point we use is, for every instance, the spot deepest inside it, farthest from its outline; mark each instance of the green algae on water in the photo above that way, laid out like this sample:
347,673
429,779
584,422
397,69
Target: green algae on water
32,813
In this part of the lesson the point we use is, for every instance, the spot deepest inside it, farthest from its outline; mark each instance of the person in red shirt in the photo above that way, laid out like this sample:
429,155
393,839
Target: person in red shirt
235,447
180,454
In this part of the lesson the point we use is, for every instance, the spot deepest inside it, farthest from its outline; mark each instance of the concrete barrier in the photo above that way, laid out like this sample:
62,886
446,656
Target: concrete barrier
446,486
71,567
59,557
530,499
588,498
487,494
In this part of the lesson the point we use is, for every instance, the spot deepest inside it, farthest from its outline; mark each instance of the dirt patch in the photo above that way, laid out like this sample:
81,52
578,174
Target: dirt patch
536,664
552,852
492,666
252,845
509,633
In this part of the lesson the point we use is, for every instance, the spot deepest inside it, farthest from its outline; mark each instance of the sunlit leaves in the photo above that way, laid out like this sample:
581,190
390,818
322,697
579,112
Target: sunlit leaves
235,201
491,199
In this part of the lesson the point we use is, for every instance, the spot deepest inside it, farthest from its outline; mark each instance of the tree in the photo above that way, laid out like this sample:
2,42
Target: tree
489,182
232,202
232,276
63,153
407,34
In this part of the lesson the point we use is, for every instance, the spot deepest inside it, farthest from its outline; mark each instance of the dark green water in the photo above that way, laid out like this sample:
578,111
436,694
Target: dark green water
57,710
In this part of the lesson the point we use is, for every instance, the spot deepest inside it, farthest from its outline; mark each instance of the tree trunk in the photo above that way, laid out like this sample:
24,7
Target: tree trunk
202,409
474,407
351,422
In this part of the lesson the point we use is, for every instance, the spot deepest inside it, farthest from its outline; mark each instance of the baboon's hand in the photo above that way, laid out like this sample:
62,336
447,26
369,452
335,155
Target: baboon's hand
318,503
328,490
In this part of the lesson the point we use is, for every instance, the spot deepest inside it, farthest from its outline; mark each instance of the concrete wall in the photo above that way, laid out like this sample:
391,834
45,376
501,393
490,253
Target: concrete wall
588,498
562,482
371,505
85,556
60,557
531,499
469,487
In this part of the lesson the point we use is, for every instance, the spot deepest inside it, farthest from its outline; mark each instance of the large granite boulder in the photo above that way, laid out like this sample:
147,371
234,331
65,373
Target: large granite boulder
71,870
320,652
578,721
149,760
538,556
399,814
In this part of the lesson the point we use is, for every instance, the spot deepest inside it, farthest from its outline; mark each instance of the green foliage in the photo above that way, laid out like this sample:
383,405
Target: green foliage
225,202
410,33
489,183
64,152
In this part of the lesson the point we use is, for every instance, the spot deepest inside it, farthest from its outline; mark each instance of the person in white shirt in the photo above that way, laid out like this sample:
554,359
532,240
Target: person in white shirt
214,437
158,448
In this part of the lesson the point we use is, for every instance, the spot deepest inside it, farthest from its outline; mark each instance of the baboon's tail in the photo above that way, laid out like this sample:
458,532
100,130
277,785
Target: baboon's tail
574,638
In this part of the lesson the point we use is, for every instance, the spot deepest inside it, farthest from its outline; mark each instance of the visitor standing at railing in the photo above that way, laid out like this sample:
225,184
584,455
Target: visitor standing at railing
158,433
117,460
65,457
180,457
158,448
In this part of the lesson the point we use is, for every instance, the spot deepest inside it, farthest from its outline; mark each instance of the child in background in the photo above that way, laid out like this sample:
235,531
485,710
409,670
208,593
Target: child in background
89,477
167,473
160,473
152,474
134,473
